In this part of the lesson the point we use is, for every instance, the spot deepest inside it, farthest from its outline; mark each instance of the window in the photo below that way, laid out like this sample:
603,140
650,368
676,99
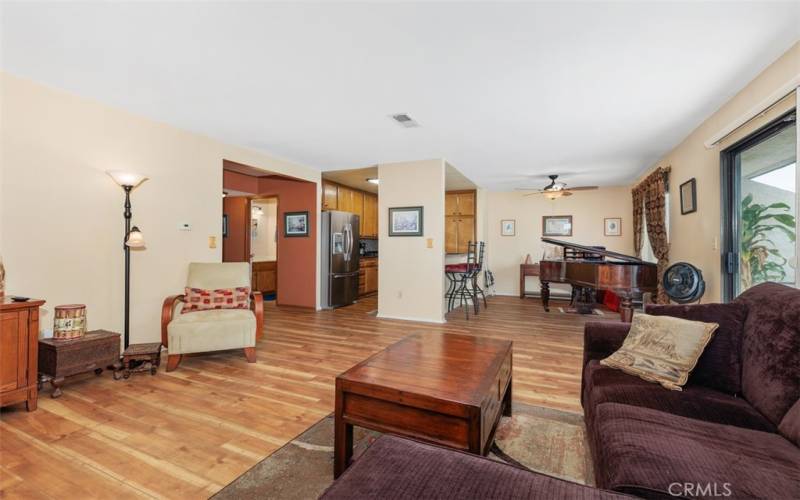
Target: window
647,250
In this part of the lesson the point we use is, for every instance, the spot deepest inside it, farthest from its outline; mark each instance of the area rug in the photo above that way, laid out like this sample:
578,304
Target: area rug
540,439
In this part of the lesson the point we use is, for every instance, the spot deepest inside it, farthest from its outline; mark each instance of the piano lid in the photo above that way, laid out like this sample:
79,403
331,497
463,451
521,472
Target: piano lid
596,251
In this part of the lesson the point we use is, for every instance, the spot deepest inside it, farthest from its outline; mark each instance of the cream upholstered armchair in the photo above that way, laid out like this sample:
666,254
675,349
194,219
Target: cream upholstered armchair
213,329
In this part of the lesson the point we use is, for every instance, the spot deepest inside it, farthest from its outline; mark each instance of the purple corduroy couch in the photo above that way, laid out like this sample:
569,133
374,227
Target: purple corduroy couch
732,432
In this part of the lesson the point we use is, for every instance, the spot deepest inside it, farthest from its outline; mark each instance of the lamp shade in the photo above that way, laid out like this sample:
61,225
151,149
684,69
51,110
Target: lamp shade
135,238
125,178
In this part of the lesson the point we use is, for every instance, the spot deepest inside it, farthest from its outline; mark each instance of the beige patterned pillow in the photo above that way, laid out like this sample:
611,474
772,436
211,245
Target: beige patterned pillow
662,349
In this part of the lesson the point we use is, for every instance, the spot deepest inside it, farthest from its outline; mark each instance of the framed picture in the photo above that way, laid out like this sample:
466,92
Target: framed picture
613,226
689,196
508,227
295,224
405,221
557,225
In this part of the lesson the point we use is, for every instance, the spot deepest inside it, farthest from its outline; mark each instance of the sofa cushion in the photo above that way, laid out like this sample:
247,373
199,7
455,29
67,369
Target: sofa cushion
393,468
771,349
662,349
213,330
720,365
790,425
607,385
646,452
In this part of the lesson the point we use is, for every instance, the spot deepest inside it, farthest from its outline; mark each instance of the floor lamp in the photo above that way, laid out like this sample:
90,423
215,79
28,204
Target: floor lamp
133,237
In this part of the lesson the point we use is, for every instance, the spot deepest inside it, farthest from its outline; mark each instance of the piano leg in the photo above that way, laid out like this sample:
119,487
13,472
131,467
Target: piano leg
545,289
626,308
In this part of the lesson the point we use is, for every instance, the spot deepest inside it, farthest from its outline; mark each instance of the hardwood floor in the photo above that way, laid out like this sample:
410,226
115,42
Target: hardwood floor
187,433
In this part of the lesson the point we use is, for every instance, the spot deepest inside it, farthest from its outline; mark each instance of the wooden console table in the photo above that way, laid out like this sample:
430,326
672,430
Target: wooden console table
526,270
19,333
94,351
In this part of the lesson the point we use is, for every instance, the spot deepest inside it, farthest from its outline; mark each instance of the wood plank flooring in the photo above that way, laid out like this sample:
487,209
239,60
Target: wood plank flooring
188,433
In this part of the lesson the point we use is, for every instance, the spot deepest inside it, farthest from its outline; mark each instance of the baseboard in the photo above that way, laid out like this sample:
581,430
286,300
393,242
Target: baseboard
418,320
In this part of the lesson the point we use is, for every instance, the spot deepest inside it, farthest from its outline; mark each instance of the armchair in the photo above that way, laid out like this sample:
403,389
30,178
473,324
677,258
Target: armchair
216,329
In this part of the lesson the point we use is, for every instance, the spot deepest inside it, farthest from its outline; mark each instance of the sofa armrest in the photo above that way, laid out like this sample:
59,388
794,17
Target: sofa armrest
257,306
601,339
167,311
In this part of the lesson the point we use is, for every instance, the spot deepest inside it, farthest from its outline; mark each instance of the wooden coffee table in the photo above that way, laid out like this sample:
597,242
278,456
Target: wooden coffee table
441,388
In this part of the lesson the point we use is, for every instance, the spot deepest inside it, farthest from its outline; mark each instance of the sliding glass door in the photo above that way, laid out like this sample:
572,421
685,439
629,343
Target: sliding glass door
759,181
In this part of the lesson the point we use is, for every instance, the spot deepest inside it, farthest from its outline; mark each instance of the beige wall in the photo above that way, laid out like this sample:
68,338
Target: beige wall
410,284
62,215
587,208
695,237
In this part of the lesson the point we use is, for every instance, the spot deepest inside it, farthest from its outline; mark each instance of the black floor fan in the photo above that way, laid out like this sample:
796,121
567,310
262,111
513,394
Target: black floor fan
683,283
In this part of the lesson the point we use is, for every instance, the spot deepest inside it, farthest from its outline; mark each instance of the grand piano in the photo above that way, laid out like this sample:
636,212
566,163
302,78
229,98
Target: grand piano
592,268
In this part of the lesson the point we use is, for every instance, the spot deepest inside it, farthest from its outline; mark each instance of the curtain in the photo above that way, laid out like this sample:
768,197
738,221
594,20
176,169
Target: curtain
638,216
652,194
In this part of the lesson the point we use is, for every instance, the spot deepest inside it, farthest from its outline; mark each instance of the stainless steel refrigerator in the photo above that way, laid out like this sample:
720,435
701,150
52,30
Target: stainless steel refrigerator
339,266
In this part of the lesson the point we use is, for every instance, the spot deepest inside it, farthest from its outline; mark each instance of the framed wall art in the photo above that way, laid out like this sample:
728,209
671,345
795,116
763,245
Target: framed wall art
557,225
295,224
508,227
689,196
405,221
612,226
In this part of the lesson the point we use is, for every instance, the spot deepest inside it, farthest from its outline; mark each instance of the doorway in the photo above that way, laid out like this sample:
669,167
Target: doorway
759,208
264,245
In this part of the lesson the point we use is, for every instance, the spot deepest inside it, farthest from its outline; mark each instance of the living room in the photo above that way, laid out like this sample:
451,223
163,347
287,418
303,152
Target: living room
586,217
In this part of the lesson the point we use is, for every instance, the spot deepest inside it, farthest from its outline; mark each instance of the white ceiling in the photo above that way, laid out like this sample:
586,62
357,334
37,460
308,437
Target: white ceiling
502,91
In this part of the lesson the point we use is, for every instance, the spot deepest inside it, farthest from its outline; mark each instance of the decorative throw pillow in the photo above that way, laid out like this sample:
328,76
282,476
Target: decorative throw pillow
198,299
662,349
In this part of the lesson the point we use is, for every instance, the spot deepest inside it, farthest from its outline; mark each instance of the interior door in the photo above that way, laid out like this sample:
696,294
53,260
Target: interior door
759,182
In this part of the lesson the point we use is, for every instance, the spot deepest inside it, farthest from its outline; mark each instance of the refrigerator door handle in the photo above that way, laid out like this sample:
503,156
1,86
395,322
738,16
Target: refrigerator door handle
348,231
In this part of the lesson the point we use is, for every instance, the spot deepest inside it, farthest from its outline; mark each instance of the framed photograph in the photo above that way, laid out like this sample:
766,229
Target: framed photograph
689,196
508,227
295,224
405,221
613,226
557,225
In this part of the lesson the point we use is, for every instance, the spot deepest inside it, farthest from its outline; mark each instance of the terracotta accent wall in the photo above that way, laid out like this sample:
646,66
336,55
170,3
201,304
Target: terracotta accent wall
297,257
234,246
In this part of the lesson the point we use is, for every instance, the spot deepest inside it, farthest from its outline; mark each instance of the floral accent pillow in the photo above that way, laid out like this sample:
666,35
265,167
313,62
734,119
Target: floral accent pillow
662,349
198,299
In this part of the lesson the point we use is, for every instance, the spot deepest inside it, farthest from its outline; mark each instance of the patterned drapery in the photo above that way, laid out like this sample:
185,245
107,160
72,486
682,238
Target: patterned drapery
651,193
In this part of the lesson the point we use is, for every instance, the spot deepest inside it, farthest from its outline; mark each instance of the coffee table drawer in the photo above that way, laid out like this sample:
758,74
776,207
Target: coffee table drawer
405,420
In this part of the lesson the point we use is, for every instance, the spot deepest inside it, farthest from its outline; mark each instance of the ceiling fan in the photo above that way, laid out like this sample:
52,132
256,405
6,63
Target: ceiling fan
556,189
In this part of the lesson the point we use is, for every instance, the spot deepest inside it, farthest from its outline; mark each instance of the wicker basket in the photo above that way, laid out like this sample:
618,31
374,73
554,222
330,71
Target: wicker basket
69,321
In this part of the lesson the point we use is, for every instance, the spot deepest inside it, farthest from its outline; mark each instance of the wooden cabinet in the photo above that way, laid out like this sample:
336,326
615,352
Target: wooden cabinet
368,275
361,203
19,348
265,276
330,196
459,220
369,221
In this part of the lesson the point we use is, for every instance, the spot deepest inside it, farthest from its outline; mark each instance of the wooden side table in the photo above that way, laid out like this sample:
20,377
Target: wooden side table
141,358
94,351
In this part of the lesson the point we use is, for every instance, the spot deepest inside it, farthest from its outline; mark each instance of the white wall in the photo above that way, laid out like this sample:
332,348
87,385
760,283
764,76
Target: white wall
264,246
587,208
62,215
410,284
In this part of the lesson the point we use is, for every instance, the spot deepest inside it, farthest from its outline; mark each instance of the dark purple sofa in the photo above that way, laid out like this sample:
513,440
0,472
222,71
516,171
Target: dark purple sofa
394,468
729,433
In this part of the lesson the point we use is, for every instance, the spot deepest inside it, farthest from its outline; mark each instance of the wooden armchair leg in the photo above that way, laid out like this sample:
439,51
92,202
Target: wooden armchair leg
173,360
250,354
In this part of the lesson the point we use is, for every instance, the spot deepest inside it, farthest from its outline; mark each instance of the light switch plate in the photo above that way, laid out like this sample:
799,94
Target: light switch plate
184,226
212,242
429,242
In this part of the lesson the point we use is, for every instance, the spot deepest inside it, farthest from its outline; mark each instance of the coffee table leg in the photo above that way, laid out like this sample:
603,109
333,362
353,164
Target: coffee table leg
507,399
342,447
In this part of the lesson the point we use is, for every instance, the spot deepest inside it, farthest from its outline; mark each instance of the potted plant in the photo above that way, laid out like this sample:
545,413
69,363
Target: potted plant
760,259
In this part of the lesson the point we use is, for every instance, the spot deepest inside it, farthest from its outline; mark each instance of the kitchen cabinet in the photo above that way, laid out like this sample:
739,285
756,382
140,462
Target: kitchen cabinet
265,276
459,220
368,275
330,195
369,220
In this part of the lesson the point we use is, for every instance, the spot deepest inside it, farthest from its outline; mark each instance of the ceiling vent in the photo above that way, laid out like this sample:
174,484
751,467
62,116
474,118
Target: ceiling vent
405,120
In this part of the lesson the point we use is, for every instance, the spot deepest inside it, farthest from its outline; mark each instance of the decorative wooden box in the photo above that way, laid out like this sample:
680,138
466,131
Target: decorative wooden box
69,321
94,351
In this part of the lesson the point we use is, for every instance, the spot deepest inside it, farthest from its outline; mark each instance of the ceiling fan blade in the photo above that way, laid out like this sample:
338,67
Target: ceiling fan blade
566,193
535,192
527,189
581,188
